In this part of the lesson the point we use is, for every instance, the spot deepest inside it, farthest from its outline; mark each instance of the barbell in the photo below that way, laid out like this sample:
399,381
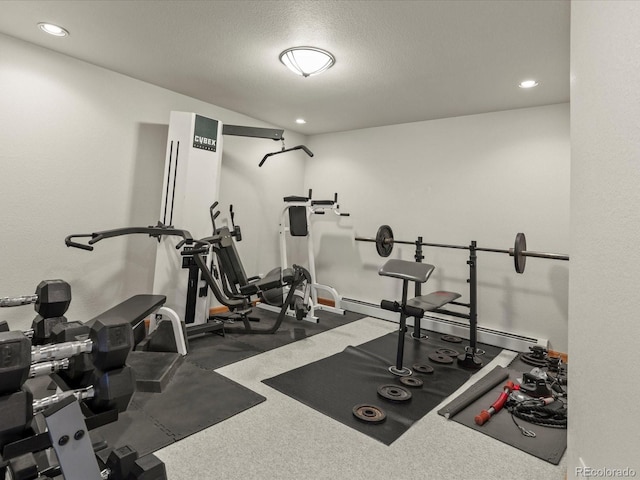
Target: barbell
384,246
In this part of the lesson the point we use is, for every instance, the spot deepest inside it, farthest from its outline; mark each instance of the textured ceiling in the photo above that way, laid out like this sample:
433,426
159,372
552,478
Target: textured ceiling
396,61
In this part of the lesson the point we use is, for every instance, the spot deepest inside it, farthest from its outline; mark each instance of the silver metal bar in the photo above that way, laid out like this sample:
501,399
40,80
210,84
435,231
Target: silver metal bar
60,350
46,368
552,256
17,301
81,394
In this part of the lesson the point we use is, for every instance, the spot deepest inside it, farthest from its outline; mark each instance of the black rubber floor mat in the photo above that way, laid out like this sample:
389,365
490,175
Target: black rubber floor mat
549,444
214,351
194,400
336,384
136,429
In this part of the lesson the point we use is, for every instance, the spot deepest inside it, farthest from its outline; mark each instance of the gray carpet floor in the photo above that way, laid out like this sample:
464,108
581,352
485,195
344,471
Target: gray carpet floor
284,439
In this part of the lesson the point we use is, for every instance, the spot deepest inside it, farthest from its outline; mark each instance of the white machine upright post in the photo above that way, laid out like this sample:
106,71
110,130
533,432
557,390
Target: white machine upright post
191,185
311,209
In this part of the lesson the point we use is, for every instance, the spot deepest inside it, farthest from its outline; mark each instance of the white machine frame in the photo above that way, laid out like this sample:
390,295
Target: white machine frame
310,209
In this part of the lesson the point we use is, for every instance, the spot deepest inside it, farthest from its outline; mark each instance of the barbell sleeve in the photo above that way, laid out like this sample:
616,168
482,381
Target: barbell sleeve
551,256
60,350
81,394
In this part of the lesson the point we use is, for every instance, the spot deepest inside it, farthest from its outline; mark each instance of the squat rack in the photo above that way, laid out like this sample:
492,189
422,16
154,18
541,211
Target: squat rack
384,245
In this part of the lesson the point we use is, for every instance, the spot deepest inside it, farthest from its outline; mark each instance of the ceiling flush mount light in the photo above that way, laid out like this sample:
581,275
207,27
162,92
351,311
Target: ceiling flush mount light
301,121
528,84
52,29
307,61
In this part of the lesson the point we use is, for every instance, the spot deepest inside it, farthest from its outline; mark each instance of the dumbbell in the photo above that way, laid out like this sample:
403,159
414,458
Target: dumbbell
51,301
109,344
107,391
122,464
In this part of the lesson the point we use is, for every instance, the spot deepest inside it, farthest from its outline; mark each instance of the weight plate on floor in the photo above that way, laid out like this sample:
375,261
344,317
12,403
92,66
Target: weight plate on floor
395,393
447,351
440,358
423,368
533,360
400,372
412,382
369,413
451,339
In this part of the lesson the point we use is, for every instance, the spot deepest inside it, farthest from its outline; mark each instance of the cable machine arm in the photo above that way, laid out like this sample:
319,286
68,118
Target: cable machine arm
152,231
269,133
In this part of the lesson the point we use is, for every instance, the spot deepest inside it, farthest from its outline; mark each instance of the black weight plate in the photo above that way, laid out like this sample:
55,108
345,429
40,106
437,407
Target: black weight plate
411,382
422,368
384,240
534,360
519,246
451,339
369,413
440,358
447,351
395,393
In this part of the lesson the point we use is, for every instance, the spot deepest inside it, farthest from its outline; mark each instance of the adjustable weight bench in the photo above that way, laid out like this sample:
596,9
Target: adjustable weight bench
136,309
157,353
418,273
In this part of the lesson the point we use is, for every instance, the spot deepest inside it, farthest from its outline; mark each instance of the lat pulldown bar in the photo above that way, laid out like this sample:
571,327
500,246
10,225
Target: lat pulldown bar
384,245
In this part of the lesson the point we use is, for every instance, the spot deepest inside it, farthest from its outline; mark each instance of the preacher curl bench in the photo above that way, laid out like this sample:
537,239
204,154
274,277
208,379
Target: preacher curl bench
416,307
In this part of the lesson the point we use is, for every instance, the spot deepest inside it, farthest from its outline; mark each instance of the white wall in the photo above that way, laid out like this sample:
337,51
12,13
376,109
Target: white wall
481,177
83,150
605,226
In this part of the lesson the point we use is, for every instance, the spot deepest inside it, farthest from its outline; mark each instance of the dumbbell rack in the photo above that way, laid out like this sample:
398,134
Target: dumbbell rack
109,391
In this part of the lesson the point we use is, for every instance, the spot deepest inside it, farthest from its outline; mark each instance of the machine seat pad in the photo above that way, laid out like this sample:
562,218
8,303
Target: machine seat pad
433,300
406,270
269,281
294,198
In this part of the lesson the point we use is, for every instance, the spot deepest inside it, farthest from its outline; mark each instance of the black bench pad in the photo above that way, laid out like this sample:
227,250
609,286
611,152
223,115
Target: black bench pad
433,300
405,270
134,309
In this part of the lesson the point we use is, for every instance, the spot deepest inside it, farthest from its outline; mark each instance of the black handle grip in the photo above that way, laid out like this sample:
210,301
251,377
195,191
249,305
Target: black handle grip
345,214
96,237
70,243
390,305
307,151
413,311
264,159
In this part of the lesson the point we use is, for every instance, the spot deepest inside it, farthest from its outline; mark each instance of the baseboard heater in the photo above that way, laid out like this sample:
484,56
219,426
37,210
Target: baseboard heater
448,326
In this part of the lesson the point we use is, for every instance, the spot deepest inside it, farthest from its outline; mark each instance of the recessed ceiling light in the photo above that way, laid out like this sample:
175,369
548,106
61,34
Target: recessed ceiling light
300,121
307,61
52,29
528,84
